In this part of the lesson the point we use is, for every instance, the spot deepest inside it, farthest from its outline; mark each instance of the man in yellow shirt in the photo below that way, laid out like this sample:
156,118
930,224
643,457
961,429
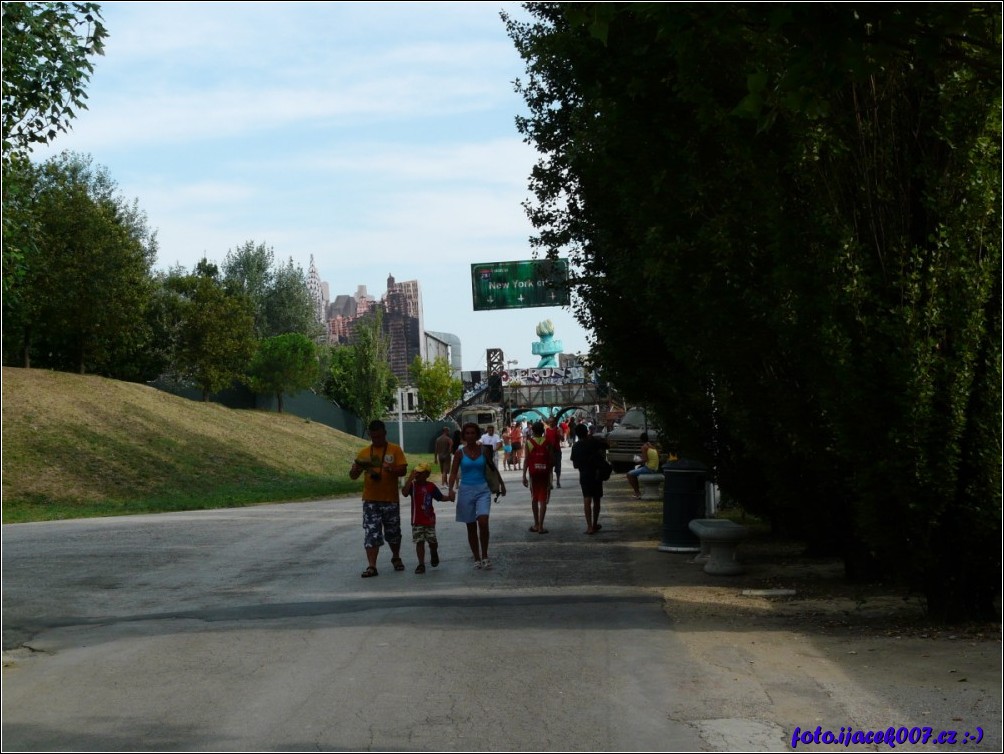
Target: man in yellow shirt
384,464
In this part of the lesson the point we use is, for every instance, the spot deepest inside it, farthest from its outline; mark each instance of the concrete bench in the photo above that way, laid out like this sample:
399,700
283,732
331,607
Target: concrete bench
650,486
720,539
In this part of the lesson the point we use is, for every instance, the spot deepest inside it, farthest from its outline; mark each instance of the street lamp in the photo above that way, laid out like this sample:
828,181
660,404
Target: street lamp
507,400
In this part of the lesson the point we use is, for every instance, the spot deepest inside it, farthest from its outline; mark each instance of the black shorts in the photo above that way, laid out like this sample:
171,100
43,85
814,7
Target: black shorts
591,488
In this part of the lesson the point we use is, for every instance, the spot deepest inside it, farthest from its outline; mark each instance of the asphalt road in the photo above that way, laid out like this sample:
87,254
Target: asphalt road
250,629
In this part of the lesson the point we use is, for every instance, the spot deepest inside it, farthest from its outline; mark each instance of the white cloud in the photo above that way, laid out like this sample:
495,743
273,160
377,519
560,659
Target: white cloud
377,137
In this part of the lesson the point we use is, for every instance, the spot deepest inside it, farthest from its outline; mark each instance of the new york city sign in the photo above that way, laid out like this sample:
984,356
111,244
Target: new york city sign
520,285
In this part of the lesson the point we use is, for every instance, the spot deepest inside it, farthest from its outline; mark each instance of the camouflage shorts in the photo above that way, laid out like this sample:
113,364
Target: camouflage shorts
381,522
423,534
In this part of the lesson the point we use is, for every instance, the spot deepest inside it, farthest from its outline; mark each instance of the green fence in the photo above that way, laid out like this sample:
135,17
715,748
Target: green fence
419,436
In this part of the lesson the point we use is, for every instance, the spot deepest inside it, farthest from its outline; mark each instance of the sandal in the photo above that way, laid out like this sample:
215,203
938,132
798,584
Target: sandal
477,565
397,563
486,565
420,568
369,572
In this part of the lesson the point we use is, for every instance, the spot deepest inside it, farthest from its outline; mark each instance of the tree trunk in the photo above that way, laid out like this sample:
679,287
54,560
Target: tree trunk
27,347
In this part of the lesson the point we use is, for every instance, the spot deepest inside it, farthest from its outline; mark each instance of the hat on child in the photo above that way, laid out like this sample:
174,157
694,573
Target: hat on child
422,468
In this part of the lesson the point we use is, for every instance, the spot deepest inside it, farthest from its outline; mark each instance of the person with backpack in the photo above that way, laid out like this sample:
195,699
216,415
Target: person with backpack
537,470
589,456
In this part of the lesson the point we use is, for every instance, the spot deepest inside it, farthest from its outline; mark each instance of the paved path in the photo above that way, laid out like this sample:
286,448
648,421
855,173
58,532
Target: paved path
251,629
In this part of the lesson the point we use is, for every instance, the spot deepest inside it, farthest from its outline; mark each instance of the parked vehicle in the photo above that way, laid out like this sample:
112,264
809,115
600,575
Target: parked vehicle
482,416
624,441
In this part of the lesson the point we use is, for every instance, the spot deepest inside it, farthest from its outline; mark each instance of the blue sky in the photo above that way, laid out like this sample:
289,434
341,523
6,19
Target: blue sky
377,137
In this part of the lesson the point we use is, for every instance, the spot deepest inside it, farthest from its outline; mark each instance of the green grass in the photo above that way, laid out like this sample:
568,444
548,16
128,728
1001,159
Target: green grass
80,446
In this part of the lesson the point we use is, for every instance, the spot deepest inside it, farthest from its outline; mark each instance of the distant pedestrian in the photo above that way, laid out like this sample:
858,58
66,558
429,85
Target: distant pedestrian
506,448
444,453
490,440
537,470
553,436
384,464
423,516
587,454
516,437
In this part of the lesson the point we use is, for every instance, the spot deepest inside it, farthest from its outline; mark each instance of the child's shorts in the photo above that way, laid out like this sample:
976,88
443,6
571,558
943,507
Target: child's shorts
424,534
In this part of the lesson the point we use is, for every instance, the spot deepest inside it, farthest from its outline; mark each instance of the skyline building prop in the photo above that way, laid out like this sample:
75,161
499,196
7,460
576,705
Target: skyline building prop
403,322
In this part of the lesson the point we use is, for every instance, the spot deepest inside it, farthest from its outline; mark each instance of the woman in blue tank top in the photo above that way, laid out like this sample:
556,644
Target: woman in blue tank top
474,499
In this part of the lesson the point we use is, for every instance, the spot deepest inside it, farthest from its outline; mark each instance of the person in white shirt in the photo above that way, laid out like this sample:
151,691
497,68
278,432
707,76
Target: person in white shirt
490,440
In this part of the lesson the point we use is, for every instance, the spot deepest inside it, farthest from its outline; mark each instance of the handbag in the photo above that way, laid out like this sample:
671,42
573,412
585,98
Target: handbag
493,477
604,470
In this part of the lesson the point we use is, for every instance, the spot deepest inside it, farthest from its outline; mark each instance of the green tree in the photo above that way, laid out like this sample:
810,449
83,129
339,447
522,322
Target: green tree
47,51
283,364
338,383
360,379
806,192
247,270
438,389
215,331
86,286
278,295
289,307
375,384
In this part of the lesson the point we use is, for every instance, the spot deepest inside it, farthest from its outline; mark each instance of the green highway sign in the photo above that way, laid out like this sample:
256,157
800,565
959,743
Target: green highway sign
520,285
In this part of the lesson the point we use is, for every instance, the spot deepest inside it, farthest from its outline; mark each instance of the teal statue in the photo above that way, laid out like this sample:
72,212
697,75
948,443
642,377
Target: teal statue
547,348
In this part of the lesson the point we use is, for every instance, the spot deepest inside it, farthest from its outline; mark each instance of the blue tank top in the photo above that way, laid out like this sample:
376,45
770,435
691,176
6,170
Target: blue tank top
472,471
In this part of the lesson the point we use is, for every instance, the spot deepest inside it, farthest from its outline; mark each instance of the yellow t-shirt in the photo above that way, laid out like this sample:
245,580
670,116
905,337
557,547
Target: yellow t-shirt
652,459
383,489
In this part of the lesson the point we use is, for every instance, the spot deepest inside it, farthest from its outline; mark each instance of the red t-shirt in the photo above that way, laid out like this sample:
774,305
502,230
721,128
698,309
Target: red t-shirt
422,495
552,437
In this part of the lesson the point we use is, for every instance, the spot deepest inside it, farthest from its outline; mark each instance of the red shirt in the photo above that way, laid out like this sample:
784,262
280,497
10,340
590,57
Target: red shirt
422,495
552,437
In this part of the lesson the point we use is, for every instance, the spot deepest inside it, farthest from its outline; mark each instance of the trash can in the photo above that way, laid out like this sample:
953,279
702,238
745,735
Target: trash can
683,500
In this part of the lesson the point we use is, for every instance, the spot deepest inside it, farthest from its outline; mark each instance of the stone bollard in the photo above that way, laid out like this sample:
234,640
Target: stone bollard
722,538
650,486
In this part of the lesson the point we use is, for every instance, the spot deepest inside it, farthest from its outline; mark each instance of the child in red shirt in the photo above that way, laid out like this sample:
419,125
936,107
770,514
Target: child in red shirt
423,517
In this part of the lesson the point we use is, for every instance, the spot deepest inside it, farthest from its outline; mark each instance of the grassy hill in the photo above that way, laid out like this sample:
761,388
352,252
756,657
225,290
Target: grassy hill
76,446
